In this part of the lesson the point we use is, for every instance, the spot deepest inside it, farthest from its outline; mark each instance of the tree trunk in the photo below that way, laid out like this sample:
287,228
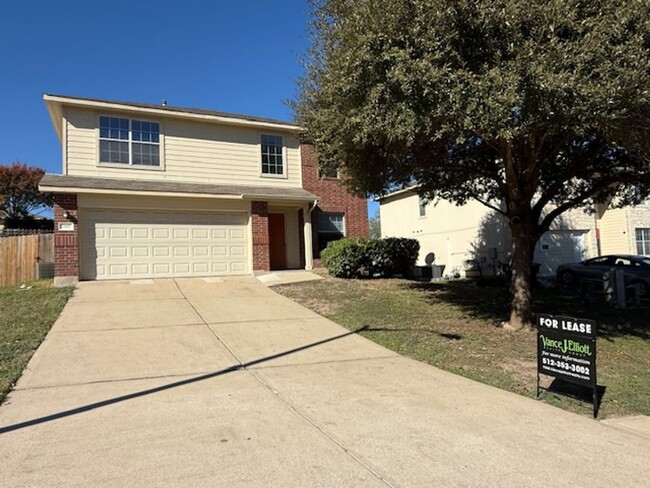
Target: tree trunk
523,245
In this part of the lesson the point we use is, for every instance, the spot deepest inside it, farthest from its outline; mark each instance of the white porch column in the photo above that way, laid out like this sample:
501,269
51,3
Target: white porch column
309,254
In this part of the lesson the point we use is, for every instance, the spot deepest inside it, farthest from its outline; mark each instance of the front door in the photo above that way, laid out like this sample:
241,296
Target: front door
278,253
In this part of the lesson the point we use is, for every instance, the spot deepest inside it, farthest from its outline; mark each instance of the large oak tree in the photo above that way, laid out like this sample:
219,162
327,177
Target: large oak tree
530,107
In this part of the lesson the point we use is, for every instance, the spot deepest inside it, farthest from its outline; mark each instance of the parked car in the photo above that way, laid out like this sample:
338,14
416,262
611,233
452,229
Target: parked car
636,270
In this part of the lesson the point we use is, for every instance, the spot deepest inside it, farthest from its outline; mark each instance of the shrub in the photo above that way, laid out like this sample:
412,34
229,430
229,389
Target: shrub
345,258
354,258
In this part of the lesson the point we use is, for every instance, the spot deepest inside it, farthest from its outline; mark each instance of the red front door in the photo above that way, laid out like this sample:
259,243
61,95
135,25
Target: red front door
277,248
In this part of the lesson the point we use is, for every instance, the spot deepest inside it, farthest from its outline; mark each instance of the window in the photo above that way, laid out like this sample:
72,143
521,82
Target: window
130,142
331,227
328,172
272,164
422,204
643,242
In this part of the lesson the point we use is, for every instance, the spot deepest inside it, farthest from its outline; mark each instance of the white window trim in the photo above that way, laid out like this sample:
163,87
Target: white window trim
285,172
131,166
645,242
343,215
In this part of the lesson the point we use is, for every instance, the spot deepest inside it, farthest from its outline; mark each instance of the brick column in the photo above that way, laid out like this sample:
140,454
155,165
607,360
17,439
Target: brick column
66,242
261,253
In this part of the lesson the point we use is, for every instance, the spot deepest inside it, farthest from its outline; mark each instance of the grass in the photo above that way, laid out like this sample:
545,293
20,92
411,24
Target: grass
26,316
454,326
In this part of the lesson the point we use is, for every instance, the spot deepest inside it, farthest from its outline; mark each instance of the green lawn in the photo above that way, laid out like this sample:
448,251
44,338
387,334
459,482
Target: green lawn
26,316
454,326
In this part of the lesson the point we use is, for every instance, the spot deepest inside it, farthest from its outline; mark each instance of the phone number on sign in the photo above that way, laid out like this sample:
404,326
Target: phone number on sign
566,366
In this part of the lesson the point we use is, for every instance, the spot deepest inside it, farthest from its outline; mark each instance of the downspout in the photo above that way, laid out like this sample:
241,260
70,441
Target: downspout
309,245
313,206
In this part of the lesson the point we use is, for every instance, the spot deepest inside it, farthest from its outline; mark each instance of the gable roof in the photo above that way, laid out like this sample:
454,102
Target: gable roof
55,103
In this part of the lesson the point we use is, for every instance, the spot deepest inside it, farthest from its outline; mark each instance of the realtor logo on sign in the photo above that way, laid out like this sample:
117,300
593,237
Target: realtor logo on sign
566,349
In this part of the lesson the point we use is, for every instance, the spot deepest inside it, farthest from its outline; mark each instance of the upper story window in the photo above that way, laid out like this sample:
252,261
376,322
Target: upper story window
129,141
422,206
272,156
328,172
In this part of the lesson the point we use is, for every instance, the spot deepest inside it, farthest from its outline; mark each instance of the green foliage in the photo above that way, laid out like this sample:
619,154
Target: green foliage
532,107
450,92
19,193
345,258
356,258
374,226
26,316
396,255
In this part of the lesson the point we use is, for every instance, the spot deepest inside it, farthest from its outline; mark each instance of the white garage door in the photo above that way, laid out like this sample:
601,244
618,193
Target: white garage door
558,247
156,244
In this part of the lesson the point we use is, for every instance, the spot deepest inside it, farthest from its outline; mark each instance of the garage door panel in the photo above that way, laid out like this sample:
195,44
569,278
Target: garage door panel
139,233
140,251
237,267
201,251
160,233
200,234
140,269
237,250
161,251
119,244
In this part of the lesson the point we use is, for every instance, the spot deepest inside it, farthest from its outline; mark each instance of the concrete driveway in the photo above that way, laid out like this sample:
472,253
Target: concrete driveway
225,383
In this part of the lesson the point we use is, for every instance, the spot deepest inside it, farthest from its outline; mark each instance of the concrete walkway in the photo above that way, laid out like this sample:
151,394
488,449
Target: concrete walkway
225,383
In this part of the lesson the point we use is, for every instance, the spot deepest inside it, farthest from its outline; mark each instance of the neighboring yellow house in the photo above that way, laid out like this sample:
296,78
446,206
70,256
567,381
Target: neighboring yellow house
456,234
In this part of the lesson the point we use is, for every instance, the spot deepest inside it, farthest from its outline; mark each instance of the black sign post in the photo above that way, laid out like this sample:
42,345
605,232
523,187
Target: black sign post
566,349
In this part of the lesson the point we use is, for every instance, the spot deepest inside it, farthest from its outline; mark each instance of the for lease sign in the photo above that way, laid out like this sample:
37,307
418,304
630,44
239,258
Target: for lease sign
566,348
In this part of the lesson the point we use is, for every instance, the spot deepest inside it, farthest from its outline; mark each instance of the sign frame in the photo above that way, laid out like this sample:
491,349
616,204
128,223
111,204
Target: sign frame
566,349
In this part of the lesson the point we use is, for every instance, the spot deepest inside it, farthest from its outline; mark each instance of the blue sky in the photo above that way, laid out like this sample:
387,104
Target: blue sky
241,57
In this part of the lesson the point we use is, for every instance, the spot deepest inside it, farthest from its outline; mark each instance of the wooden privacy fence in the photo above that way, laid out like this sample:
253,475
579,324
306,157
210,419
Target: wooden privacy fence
19,256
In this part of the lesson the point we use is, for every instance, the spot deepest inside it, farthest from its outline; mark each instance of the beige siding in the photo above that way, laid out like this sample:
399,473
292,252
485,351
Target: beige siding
452,233
614,238
190,151
455,234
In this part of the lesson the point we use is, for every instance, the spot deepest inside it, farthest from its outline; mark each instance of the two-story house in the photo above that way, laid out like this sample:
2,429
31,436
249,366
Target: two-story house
152,191
472,232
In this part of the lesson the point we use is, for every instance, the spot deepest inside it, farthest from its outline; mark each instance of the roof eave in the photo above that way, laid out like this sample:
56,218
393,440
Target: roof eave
52,100
55,110
412,189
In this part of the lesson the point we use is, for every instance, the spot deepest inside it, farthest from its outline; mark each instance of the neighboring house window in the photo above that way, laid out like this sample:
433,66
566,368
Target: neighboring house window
422,204
127,141
272,163
643,242
331,227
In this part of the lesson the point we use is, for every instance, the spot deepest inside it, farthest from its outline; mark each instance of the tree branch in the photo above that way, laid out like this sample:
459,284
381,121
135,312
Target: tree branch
488,205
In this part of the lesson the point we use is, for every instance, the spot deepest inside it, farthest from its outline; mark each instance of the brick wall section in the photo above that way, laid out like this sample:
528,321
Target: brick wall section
333,196
261,253
66,243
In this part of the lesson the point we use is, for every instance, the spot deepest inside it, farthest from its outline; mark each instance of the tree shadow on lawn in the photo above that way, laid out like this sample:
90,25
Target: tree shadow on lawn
492,304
